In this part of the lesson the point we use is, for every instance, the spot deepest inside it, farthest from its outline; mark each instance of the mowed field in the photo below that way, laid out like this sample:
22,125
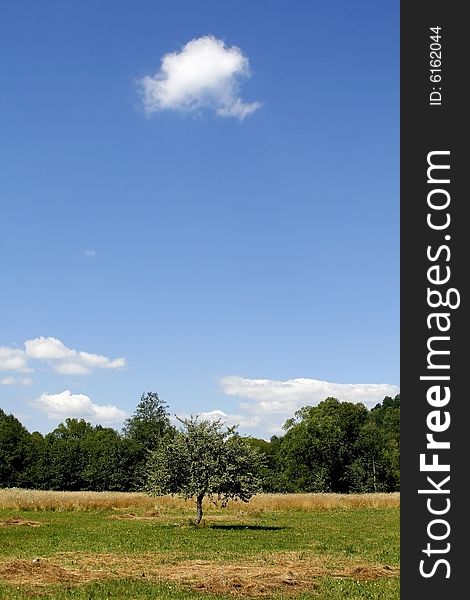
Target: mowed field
92,545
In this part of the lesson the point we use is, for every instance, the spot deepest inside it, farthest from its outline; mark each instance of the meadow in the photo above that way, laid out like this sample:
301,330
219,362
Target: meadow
101,545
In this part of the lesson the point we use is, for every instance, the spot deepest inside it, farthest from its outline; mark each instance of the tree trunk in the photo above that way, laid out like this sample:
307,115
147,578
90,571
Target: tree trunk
199,509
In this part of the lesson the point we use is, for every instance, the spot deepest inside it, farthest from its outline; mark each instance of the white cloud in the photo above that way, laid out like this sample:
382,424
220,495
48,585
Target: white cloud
67,360
245,421
71,368
66,405
204,74
90,252
12,359
9,380
101,362
47,349
272,402
57,355
274,394
248,421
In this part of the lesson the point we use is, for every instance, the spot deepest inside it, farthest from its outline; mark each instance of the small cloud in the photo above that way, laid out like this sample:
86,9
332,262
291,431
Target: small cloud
90,253
47,349
16,380
70,368
240,420
247,421
101,362
67,360
13,359
54,353
67,405
204,74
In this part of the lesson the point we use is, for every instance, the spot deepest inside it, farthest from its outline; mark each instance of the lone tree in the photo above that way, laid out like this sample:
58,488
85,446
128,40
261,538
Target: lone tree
205,459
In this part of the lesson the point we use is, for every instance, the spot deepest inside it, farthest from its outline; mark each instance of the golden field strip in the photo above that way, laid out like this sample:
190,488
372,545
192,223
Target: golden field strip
22,499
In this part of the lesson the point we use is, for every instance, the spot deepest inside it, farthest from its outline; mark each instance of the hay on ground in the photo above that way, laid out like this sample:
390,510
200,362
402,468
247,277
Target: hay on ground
12,521
286,572
38,572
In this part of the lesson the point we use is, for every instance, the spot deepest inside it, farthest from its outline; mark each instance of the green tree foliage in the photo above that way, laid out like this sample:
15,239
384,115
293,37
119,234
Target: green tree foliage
146,430
204,459
15,451
78,456
109,460
65,457
339,447
36,474
319,443
335,446
387,418
272,476
150,421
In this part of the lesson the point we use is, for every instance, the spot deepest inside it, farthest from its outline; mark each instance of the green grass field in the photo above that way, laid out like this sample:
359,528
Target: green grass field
301,546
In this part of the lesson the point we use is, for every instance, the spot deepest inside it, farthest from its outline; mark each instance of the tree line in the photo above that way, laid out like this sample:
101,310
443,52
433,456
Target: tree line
332,447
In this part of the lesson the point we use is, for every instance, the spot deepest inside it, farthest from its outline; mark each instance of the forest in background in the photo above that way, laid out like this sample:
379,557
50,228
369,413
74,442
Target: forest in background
336,446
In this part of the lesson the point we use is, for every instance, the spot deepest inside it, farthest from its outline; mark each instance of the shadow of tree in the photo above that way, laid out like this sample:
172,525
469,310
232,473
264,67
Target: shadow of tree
244,527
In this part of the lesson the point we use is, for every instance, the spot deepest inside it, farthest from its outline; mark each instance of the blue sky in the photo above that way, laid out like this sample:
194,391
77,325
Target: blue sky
199,199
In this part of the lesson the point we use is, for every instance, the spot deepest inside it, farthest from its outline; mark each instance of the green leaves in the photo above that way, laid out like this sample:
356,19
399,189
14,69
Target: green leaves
15,451
149,423
340,447
205,459
335,446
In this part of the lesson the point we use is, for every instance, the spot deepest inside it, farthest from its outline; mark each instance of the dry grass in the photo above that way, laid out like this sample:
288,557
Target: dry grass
38,573
20,499
287,572
307,502
15,521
